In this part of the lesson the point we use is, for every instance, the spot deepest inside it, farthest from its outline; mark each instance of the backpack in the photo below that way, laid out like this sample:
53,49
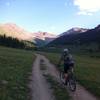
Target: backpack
68,59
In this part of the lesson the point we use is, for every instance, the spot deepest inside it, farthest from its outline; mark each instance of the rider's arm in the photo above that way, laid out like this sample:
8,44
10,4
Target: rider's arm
61,58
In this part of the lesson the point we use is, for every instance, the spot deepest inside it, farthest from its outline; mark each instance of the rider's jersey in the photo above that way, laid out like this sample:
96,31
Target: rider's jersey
68,59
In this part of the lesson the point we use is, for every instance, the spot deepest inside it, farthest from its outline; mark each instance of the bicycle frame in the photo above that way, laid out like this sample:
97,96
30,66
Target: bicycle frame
70,79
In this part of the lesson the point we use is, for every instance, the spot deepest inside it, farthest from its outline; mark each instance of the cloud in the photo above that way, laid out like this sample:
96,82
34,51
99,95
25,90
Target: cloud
84,13
87,7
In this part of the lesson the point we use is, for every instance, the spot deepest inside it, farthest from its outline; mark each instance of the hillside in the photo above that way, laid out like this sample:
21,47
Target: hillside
91,35
74,30
13,30
42,38
44,35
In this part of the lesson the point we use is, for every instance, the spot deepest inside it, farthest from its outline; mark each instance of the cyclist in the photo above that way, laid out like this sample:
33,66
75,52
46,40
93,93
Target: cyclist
68,63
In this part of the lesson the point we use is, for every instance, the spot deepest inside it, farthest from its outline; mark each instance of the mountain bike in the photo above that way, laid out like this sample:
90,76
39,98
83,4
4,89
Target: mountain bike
70,81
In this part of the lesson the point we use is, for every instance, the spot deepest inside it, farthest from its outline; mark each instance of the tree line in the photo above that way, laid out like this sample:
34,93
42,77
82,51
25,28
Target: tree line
11,42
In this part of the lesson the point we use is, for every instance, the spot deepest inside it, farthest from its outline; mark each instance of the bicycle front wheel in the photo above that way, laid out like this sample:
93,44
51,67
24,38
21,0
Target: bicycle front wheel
62,77
72,84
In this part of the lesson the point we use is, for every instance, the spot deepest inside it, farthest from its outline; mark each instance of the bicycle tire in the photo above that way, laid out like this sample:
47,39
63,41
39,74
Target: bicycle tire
72,83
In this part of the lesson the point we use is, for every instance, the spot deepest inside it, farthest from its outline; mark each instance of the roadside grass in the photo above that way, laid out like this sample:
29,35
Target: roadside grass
15,69
87,70
59,91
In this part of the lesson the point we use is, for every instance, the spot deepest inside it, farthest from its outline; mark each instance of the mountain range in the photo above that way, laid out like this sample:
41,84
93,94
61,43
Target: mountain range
43,38
11,29
77,36
74,30
74,35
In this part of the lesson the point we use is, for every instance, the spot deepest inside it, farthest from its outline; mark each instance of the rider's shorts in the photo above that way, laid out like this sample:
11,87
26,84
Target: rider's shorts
67,67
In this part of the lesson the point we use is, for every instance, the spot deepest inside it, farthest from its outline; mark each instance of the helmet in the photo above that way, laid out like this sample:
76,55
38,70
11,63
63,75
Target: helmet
66,50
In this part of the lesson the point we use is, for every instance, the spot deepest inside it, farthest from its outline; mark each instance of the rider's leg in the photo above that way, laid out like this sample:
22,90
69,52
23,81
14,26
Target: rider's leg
65,78
71,67
65,73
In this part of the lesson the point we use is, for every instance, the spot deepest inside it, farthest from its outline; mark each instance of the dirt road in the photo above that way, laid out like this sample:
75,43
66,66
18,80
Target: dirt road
40,88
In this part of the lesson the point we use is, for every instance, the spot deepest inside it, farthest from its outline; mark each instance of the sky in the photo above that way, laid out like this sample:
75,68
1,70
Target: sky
55,16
